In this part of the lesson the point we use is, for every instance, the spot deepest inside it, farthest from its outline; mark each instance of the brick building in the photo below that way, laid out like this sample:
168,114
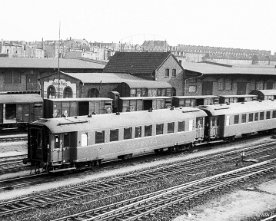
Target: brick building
157,66
217,79
84,85
22,74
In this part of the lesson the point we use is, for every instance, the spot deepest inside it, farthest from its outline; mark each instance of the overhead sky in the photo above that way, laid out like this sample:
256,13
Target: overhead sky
223,23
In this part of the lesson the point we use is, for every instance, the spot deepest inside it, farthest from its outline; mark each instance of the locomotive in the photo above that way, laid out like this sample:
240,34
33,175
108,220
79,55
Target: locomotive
58,144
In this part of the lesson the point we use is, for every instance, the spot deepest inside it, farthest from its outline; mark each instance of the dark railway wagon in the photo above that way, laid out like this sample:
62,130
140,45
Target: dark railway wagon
227,99
17,110
264,94
127,104
194,101
66,107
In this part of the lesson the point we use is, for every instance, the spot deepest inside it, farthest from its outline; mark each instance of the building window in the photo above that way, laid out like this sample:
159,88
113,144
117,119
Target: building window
114,135
51,92
268,115
138,132
236,119
67,93
99,136
148,131
127,133
167,73
7,78
93,92
16,78
269,85
221,84
174,73
228,84
171,127
159,129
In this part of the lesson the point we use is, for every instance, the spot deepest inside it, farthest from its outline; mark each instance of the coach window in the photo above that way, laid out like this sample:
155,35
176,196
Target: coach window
84,139
243,118
250,118
138,132
256,116
99,136
261,115
199,122
171,127
159,129
114,135
268,115
57,143
236,119
181,126
128,133
274,114
148,131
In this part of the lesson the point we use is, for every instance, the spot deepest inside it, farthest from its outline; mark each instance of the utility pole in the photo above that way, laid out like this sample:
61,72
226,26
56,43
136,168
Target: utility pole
58,61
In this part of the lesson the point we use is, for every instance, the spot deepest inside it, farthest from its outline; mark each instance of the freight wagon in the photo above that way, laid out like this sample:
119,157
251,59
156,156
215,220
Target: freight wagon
17,110
66,107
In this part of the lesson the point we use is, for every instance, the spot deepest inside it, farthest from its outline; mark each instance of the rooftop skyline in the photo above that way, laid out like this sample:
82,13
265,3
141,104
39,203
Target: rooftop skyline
218,23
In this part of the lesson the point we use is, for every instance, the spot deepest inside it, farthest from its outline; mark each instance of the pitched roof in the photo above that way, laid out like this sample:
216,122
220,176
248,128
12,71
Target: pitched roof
48,63
20,98
104,78
206,69
136,62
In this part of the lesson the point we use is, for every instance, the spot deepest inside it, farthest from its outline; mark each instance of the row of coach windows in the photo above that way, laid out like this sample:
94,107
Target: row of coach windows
114,134
254,116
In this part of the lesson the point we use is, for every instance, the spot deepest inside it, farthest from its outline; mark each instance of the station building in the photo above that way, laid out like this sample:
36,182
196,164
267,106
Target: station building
218,79
154,66
22,74
85,85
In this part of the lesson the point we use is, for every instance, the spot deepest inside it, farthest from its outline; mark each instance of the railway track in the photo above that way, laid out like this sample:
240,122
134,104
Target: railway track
12,164
14,138
148,205
188,169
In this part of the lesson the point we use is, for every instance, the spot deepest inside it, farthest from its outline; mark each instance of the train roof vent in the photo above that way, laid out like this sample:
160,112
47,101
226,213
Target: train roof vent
72,122
188,111
221,108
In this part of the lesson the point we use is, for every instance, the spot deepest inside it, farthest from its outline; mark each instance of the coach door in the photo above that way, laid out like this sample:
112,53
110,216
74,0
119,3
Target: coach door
213,127
199,128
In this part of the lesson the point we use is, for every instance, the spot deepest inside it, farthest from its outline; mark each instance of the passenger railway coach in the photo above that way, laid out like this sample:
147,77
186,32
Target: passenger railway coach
68,143
71,142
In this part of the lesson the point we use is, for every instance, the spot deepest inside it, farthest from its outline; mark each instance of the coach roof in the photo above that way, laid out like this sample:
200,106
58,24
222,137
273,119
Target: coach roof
239,108
113,121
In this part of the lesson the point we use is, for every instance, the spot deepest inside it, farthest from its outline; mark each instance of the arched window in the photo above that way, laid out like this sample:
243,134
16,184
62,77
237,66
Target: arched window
93,92
67,92
51,92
